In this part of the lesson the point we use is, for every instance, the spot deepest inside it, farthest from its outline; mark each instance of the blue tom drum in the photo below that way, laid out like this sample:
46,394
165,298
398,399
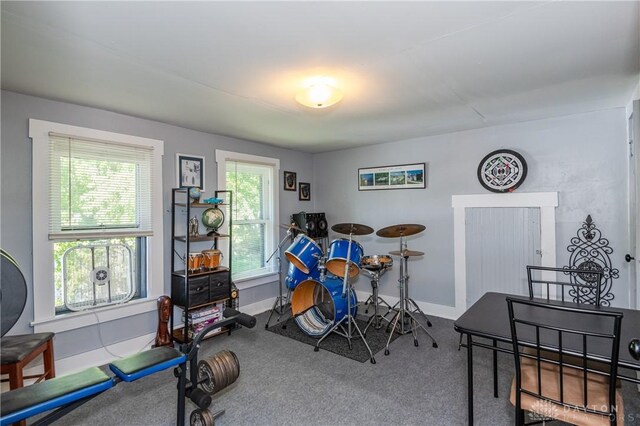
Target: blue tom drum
336,261
295,276
317,306
304,253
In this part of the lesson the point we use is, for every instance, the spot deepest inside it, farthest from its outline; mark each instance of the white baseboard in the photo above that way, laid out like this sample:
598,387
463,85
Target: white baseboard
448,312
258,307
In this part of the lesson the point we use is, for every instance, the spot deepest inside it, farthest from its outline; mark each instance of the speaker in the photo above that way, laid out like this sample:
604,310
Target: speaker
314,224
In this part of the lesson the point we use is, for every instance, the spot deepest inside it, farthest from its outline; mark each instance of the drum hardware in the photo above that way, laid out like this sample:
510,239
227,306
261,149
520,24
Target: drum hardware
404,321
347,290
282,300
375,267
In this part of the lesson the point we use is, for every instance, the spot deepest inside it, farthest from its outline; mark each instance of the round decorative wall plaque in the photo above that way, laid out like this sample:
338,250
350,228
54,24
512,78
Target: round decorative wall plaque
502,171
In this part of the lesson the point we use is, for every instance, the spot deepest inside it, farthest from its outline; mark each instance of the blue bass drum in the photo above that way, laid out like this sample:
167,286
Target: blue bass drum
295,276
304,253
338,251
317,306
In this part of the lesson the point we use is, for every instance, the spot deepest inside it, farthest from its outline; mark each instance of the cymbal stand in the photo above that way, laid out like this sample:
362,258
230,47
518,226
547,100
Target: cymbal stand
404,312
376,319
281,302
348,318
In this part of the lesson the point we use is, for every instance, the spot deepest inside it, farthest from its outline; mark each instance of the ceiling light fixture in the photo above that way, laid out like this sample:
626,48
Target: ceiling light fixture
319,92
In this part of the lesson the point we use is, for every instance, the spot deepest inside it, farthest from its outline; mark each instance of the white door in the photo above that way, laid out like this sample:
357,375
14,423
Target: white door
500,242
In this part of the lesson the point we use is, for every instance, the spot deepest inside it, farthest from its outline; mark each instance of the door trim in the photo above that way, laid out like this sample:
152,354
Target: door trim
545,201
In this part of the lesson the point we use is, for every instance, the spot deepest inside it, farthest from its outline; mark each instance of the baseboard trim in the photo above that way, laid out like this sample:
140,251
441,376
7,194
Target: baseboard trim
443,311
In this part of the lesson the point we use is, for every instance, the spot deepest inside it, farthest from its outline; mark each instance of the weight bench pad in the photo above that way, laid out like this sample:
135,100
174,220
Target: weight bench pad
25,402
148,362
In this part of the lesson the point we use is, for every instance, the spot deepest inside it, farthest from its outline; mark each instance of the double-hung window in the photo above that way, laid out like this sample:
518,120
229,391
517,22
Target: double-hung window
252,180
95,219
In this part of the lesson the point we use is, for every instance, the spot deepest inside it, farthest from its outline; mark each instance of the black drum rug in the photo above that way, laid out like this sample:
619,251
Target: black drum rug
377,339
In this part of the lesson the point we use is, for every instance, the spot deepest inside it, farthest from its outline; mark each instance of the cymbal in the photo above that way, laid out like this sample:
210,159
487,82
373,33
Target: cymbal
352,228
403,230
406,253
292,226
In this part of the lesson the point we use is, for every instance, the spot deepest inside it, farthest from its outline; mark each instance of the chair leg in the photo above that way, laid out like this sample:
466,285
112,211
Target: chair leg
49,361
15,376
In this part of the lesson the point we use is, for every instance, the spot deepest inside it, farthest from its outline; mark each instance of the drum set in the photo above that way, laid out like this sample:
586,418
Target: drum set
320,294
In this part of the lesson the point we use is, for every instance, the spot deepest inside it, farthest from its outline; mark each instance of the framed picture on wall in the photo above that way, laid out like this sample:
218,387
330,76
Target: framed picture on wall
189,170
404,176
304,193
289,181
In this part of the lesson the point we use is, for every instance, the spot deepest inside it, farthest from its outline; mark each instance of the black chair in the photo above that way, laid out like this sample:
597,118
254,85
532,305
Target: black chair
582,285
554,349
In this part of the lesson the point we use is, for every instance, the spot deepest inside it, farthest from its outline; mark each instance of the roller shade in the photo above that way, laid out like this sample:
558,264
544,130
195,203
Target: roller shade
98,189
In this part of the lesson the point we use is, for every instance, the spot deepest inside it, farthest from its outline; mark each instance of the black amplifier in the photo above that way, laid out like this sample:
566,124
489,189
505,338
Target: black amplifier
314,224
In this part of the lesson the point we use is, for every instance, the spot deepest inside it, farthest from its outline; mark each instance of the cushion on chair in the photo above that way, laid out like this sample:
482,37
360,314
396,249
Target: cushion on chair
597,388
15,348
148,362
25,402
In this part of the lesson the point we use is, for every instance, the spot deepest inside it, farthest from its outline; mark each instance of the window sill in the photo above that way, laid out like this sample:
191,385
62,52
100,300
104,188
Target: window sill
256,280
74,320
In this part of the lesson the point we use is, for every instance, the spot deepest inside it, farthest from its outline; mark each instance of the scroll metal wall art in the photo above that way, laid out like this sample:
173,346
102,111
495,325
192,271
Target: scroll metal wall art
590,251
405,176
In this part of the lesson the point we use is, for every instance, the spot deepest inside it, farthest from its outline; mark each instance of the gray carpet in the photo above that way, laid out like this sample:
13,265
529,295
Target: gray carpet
284,382
376,339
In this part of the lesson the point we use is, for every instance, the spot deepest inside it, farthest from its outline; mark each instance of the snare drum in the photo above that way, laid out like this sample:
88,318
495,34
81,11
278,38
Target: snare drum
195,261
317,306
296,276
211,258
304,253
337,258
377,262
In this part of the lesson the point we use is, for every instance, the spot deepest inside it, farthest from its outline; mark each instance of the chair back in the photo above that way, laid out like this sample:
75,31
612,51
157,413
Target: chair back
581,285
565,355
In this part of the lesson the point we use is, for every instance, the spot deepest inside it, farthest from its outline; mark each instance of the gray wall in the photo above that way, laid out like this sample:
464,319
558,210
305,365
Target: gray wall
16,218
583,157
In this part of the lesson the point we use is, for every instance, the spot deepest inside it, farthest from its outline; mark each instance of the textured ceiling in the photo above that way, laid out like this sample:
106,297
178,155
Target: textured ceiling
407,69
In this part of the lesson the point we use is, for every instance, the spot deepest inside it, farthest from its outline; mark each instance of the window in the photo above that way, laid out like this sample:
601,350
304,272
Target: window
97,222
252,180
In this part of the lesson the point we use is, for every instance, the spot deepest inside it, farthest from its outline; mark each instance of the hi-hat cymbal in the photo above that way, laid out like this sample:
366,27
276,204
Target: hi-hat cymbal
406,253
352,228
403,230
293,226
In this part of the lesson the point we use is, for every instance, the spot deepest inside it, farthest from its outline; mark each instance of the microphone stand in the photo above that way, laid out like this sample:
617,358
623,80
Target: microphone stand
281,301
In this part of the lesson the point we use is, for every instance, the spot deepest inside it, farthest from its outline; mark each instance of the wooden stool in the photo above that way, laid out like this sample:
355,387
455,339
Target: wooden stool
16,352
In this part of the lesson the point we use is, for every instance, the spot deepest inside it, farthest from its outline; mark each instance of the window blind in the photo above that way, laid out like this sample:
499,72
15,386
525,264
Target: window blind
98,188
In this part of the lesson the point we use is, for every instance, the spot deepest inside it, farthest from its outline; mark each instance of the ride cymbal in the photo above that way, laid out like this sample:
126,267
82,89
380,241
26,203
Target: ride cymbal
352,228
406,253
403,230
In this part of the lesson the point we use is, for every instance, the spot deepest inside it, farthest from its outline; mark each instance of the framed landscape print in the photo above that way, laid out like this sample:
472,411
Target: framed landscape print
405,176
189,171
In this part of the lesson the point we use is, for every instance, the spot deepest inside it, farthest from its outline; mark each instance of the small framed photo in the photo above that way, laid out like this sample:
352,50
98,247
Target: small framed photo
304,194
189,171
289,181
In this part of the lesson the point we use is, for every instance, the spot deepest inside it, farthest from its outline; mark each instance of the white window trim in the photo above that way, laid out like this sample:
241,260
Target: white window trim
221,158
45,318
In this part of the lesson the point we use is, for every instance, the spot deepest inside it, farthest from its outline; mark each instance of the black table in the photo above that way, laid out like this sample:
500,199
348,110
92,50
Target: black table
489,318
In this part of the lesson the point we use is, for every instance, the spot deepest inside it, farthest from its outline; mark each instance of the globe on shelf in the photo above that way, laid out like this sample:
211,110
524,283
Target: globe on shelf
195,193
212,218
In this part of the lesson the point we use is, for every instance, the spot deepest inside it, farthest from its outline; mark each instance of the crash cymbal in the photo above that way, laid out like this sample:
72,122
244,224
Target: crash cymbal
406,253
352,228
294,227
403,230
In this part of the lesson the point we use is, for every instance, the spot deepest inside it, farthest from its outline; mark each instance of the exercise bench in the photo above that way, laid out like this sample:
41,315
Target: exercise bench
65,394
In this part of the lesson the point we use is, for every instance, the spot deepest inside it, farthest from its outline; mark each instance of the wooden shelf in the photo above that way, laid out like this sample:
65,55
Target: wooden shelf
201,205
178,334
182,272
199,238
